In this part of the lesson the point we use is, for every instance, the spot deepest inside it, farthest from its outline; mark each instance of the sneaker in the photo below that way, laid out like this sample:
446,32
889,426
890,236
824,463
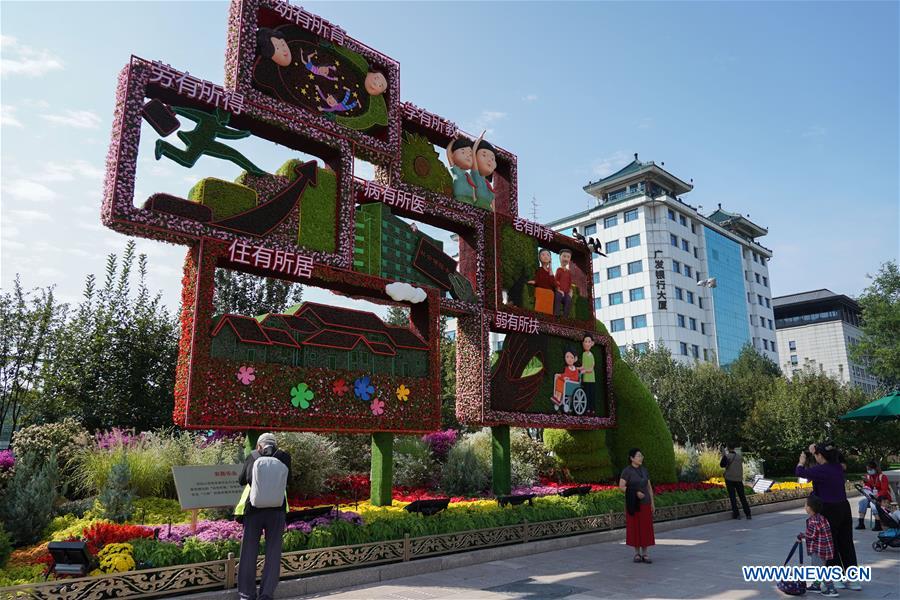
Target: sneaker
814,588
830,593
854,585
840,585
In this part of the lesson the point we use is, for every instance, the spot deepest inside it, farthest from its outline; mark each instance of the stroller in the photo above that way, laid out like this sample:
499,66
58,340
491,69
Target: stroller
890,536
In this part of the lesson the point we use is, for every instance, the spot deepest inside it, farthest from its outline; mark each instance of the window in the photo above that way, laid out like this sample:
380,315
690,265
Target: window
631,215
703,328
690,297
684,351
693,323
679,293
671,214
615,298
685,245
755,257
636,294
765,343
700,301
753,320
681,320
613,272
597,304
633,240
749,297
617,325
792,346
590,229
771,325
673,239
765,281
451,335
610,221
768,304
758,278
759,299
747,275
612,246
688,271
695,351
635,267
682,220
705,354
638,321
596,276
694,228
641,347
676,266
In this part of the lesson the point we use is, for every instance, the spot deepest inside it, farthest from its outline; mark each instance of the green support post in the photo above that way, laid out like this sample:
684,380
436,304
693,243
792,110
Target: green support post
250,441
502,471
382,475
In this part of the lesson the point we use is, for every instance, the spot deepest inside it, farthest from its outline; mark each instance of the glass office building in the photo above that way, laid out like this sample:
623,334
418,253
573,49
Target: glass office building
724,261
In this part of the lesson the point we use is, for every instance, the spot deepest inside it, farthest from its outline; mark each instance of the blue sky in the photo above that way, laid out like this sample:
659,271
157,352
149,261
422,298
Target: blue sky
785,111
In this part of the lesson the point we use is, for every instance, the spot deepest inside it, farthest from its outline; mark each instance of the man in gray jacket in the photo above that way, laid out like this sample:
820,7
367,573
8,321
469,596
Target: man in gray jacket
733,462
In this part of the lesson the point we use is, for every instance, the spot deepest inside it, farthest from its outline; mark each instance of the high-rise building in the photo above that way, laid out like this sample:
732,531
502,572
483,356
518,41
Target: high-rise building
698,284
815,330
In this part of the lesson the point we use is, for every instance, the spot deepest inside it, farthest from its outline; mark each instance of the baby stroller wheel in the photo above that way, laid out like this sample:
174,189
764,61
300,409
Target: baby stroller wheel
878,546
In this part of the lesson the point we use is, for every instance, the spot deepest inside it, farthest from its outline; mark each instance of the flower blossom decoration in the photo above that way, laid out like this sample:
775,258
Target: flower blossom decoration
246,375
363,388
301,395
402,393
340,387
377,407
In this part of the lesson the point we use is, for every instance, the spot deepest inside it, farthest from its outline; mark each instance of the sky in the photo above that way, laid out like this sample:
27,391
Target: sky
786,112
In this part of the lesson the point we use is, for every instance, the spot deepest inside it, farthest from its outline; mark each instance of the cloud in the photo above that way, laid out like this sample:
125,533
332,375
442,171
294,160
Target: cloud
29,216
610,164
486,119
19,59
403,292
530,97
8,116
645,123
80,119
814,132
70,170
28,190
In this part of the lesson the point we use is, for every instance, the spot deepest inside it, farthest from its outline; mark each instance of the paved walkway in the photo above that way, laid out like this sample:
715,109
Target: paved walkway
703,561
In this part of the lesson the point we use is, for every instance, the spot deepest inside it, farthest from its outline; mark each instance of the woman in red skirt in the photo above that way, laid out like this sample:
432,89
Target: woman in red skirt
639,506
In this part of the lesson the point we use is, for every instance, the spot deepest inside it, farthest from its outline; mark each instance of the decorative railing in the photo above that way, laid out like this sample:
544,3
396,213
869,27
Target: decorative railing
221,574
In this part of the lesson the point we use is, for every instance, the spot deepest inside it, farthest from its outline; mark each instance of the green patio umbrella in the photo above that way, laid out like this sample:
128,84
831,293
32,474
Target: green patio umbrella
883,409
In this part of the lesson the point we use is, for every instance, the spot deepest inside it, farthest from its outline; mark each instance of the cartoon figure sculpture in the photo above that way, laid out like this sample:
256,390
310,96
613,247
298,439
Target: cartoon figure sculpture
563,284
561,381
335,106
485,165
461,157
321,71
375,83
272,44
201,140
589,378
544,284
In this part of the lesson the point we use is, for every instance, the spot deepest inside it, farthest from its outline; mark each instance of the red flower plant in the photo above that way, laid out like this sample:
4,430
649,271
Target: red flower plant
101,534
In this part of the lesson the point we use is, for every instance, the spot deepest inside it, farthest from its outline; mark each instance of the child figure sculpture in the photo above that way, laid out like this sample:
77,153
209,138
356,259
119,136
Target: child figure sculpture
485,165
570,373
461,158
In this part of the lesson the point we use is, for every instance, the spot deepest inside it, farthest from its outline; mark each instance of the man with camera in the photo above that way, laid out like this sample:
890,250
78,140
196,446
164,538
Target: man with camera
733,463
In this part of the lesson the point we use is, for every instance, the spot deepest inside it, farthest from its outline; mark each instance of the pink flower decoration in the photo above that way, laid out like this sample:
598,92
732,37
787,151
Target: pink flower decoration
340,387
377,407
246,375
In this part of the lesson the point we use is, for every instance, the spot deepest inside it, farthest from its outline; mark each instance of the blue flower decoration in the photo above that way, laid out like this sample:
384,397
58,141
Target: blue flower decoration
363,389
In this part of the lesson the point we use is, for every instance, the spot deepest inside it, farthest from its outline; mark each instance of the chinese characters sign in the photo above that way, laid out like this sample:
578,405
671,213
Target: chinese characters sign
533,229
277,261
428,120
659,269
196,89
515,323
207,486
392,197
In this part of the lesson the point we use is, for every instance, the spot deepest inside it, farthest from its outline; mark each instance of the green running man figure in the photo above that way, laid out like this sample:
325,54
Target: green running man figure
201,140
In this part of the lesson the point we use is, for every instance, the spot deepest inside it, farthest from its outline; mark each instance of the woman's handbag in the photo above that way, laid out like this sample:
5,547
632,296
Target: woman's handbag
793,588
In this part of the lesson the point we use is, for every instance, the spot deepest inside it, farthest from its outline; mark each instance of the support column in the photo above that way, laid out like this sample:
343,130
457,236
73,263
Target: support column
502,469
382,473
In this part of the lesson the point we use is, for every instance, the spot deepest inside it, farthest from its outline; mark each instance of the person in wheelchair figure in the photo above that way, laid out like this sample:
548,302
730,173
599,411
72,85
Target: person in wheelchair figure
568,393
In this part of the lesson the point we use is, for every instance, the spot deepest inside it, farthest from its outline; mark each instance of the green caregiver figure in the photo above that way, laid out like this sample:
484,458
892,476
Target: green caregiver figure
202,140
588,377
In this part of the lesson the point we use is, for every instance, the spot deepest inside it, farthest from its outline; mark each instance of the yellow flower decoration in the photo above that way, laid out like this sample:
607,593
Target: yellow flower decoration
402,393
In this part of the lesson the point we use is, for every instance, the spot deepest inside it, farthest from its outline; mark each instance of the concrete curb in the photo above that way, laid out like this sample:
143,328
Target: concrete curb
316,584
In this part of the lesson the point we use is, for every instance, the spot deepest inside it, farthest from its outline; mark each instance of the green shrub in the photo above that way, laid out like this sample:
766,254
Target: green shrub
314,460
6,547
421,165
681,457
354,452
709,460
690,472
465,473
527,450
195,551
151,554
65,438
639,424
157,511
117,497
76,508
520,259
414,465
21,574
582,453
318,208
28,507
224,198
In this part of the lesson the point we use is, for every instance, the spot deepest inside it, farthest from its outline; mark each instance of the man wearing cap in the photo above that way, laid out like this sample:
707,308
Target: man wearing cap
262,508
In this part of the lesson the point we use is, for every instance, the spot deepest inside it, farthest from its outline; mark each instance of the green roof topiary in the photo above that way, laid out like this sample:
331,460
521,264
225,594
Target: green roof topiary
421,166
225,198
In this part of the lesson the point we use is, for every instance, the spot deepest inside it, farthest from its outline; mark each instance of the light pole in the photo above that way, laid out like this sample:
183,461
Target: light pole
710,284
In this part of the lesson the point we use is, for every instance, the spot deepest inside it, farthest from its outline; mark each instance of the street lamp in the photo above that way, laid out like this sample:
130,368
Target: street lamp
710,284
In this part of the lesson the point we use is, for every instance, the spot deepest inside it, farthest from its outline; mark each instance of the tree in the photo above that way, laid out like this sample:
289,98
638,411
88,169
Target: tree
242,294
398,316
113,363
28,505
28,324
879,347
448,379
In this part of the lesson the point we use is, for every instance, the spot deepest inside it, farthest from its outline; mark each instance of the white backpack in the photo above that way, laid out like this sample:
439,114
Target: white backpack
268,482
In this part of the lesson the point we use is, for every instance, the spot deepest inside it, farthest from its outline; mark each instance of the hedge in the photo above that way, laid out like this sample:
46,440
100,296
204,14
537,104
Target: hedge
225,198
582,452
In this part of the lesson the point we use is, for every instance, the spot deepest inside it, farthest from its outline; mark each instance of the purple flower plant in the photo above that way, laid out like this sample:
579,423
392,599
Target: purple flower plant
219,530
7,460
118,438
440,442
